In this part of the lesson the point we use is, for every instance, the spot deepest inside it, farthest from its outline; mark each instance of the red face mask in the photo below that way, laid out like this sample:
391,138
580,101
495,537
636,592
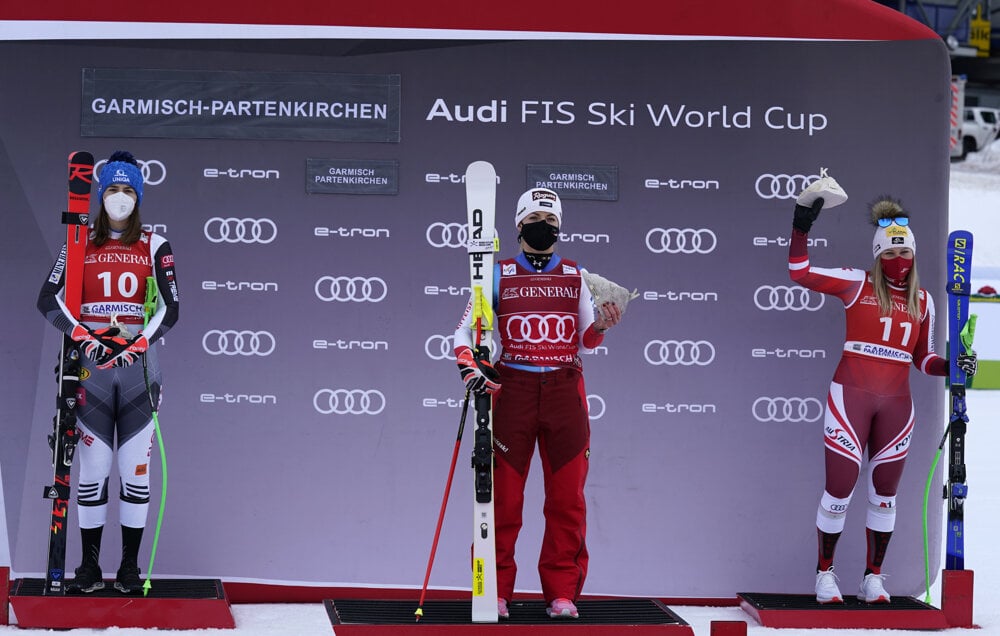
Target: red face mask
897,269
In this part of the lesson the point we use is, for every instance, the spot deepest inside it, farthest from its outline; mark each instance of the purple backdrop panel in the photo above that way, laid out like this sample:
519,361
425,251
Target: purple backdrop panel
311,398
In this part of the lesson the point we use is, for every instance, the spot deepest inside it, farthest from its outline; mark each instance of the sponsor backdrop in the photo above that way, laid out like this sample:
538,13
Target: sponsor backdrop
315,205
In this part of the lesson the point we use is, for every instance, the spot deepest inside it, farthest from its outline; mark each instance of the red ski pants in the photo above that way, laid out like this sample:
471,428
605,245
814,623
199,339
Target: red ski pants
549,408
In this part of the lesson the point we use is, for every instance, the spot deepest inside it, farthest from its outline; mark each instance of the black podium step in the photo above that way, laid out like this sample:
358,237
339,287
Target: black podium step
803,611
171,604
606,617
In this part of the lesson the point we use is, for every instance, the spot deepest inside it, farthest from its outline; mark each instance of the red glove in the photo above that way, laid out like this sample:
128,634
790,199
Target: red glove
478,375
124,351
90,343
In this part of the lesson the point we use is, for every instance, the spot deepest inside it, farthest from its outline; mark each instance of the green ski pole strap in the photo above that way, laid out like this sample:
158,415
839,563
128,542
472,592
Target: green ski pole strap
968,332
149,306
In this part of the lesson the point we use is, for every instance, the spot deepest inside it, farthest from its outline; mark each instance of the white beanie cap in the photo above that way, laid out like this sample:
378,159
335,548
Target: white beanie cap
893,236
538,200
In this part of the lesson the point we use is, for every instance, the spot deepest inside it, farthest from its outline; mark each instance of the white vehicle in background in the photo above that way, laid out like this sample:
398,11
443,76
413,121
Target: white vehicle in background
979,129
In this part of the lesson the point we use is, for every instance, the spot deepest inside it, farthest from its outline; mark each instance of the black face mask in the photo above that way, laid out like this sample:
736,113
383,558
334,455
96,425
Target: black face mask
539,235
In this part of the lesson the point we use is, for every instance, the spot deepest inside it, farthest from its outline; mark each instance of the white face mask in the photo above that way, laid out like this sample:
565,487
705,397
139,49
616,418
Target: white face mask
119,206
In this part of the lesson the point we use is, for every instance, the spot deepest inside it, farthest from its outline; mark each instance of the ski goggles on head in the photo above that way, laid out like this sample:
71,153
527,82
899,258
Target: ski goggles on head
898,220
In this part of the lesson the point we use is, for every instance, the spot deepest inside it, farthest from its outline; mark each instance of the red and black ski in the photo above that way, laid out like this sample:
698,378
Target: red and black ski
63,438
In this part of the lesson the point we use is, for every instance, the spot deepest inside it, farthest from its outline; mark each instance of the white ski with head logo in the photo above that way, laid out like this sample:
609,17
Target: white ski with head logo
480,193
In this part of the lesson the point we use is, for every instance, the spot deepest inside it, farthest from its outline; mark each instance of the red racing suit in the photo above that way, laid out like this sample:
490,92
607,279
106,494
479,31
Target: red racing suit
869,405
543,320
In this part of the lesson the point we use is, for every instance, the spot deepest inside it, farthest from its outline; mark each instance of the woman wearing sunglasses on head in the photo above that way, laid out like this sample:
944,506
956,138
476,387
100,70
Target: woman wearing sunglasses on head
890,325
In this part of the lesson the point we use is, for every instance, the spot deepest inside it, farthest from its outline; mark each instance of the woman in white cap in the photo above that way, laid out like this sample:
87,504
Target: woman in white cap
890,325
545,316
116,412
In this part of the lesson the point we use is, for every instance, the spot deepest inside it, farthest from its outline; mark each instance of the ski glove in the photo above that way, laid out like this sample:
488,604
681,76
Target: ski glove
804,216
968,362
478,375
90,342
124,351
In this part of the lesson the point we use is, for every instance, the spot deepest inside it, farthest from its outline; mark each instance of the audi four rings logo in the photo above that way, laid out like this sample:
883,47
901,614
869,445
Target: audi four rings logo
538,328
594,401
351,289
679,352
238,343
447,234
153,171
680,240
349,401
784,298
783,186
234,230
440,347
787,409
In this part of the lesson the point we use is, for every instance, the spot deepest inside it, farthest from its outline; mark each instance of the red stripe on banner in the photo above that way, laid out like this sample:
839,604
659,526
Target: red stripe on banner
4,595
833,19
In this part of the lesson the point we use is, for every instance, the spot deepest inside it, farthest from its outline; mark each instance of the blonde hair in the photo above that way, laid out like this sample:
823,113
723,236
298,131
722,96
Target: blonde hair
884,298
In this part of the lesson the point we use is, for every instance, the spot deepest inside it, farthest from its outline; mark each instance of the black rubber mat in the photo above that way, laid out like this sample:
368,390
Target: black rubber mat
160,588
808,602
592,612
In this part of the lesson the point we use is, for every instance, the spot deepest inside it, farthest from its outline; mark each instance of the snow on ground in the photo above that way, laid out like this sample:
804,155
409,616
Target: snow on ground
974,202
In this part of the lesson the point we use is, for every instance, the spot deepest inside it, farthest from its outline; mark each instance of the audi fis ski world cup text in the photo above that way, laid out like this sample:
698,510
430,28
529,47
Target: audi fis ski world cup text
600,113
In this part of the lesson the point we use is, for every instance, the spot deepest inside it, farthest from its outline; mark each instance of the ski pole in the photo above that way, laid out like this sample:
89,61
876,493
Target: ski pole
444,505
927,494
148,307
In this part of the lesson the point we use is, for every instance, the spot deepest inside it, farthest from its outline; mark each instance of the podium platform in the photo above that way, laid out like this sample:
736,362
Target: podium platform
632,617
803,612
171,604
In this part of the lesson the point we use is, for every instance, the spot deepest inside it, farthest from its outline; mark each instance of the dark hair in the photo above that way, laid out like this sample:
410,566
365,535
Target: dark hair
102,228
123,155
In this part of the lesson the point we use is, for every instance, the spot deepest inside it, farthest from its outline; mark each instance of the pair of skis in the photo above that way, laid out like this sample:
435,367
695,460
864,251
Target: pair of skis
480,191
63,438
961,328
